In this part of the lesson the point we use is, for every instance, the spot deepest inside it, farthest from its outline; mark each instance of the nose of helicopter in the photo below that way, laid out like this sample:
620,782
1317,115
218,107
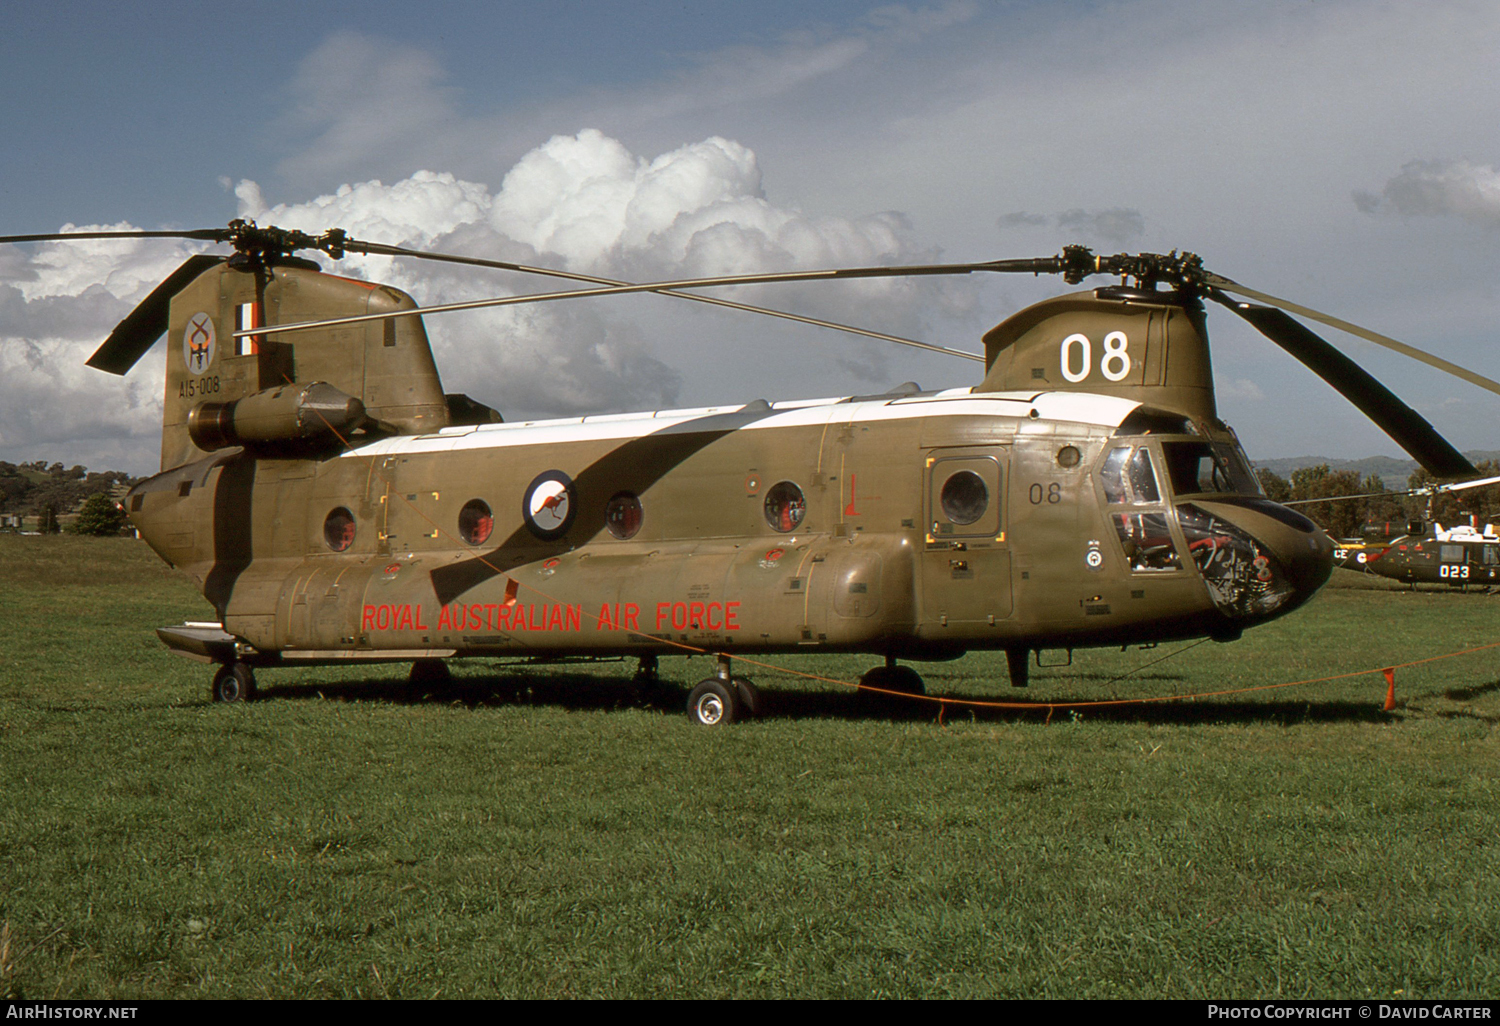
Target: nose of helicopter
1259,559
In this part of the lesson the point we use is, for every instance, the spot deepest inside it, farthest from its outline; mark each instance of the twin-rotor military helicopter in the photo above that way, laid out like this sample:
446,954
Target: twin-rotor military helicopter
335,505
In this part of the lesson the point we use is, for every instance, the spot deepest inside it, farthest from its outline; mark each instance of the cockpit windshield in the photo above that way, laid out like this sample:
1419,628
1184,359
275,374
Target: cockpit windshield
1197,467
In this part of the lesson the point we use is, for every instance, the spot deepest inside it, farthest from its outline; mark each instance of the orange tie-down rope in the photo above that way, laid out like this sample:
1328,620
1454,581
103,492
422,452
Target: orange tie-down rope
1388,671
512,585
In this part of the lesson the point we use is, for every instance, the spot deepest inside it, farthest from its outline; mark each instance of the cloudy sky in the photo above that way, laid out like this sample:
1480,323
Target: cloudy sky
1340,154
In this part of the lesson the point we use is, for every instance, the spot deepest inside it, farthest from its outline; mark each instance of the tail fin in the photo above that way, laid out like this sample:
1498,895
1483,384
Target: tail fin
386,365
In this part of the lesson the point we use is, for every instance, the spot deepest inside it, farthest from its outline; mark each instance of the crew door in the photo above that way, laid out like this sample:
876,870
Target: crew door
966,559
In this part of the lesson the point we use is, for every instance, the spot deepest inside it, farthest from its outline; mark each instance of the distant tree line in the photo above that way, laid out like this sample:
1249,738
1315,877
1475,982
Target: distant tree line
47,492
28,488
1376,503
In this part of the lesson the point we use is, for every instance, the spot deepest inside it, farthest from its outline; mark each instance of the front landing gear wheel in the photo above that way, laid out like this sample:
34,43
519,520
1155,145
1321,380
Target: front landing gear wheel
430,673
235,682
714,703
901,679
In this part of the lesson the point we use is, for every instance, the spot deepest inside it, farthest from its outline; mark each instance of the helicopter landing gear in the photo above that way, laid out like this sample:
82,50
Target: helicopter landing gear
1018,661
429,673
890,677
749,696
883,686
723,698
235,682
645,686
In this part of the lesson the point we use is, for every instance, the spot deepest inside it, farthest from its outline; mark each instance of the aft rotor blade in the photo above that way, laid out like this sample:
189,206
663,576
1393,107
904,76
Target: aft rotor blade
1219,282
1409,429
1013,266
374,247
140,329
201,234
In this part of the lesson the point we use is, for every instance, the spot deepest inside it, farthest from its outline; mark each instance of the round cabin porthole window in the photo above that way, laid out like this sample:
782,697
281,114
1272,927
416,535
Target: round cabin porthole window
785,506
623,515
475,522
1068,456
338,529
964,497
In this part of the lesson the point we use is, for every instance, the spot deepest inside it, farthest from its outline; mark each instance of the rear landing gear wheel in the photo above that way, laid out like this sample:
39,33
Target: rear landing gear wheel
714,703
235,682
645,686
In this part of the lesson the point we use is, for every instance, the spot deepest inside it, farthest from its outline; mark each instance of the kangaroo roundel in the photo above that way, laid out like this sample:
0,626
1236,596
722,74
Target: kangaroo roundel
549,505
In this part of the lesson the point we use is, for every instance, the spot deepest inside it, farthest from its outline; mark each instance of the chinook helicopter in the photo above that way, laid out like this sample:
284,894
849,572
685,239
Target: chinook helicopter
334,505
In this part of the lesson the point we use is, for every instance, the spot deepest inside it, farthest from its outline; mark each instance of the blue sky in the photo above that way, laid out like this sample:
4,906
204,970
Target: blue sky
1339,153
135,110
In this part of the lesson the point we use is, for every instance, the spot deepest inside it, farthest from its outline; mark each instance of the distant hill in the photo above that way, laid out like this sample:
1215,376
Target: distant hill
1391,471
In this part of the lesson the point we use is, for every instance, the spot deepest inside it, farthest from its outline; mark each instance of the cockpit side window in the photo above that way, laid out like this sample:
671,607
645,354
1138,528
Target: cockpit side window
1112,475
1128,477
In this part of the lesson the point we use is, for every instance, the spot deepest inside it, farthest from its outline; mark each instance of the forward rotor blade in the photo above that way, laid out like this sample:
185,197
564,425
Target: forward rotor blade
1219,282
357,246
1345,498
1457,486
1409,429
140,329
1461,485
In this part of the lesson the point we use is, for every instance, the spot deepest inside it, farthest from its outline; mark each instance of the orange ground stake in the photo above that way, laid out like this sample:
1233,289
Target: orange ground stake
1390,688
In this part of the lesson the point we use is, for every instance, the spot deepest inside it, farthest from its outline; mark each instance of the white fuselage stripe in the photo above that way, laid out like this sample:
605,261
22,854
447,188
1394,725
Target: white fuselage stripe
1075,407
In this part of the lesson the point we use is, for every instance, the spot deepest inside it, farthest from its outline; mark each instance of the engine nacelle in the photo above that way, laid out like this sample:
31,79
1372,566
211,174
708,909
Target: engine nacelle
291,413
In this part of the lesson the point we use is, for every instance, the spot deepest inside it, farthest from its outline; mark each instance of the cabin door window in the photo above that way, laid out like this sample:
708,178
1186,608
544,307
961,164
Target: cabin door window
966,562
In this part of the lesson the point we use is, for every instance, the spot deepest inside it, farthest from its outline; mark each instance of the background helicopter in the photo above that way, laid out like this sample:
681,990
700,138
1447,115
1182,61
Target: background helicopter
334,504
1421,549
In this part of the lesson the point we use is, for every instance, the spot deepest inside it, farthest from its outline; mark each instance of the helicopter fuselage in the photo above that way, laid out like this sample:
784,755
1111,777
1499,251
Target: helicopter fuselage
918,525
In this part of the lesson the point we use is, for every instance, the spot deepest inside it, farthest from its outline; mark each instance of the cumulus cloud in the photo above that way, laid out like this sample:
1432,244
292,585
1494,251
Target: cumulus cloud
57,303
584,203
1439,188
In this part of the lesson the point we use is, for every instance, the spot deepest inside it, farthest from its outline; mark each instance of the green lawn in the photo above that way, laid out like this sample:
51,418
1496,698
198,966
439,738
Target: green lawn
526,832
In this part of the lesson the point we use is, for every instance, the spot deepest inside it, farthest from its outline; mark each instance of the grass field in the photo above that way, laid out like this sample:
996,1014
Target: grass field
525,833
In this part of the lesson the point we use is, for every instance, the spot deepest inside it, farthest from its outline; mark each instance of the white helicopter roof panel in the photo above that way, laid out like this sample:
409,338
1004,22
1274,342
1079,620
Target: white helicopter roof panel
1075,407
